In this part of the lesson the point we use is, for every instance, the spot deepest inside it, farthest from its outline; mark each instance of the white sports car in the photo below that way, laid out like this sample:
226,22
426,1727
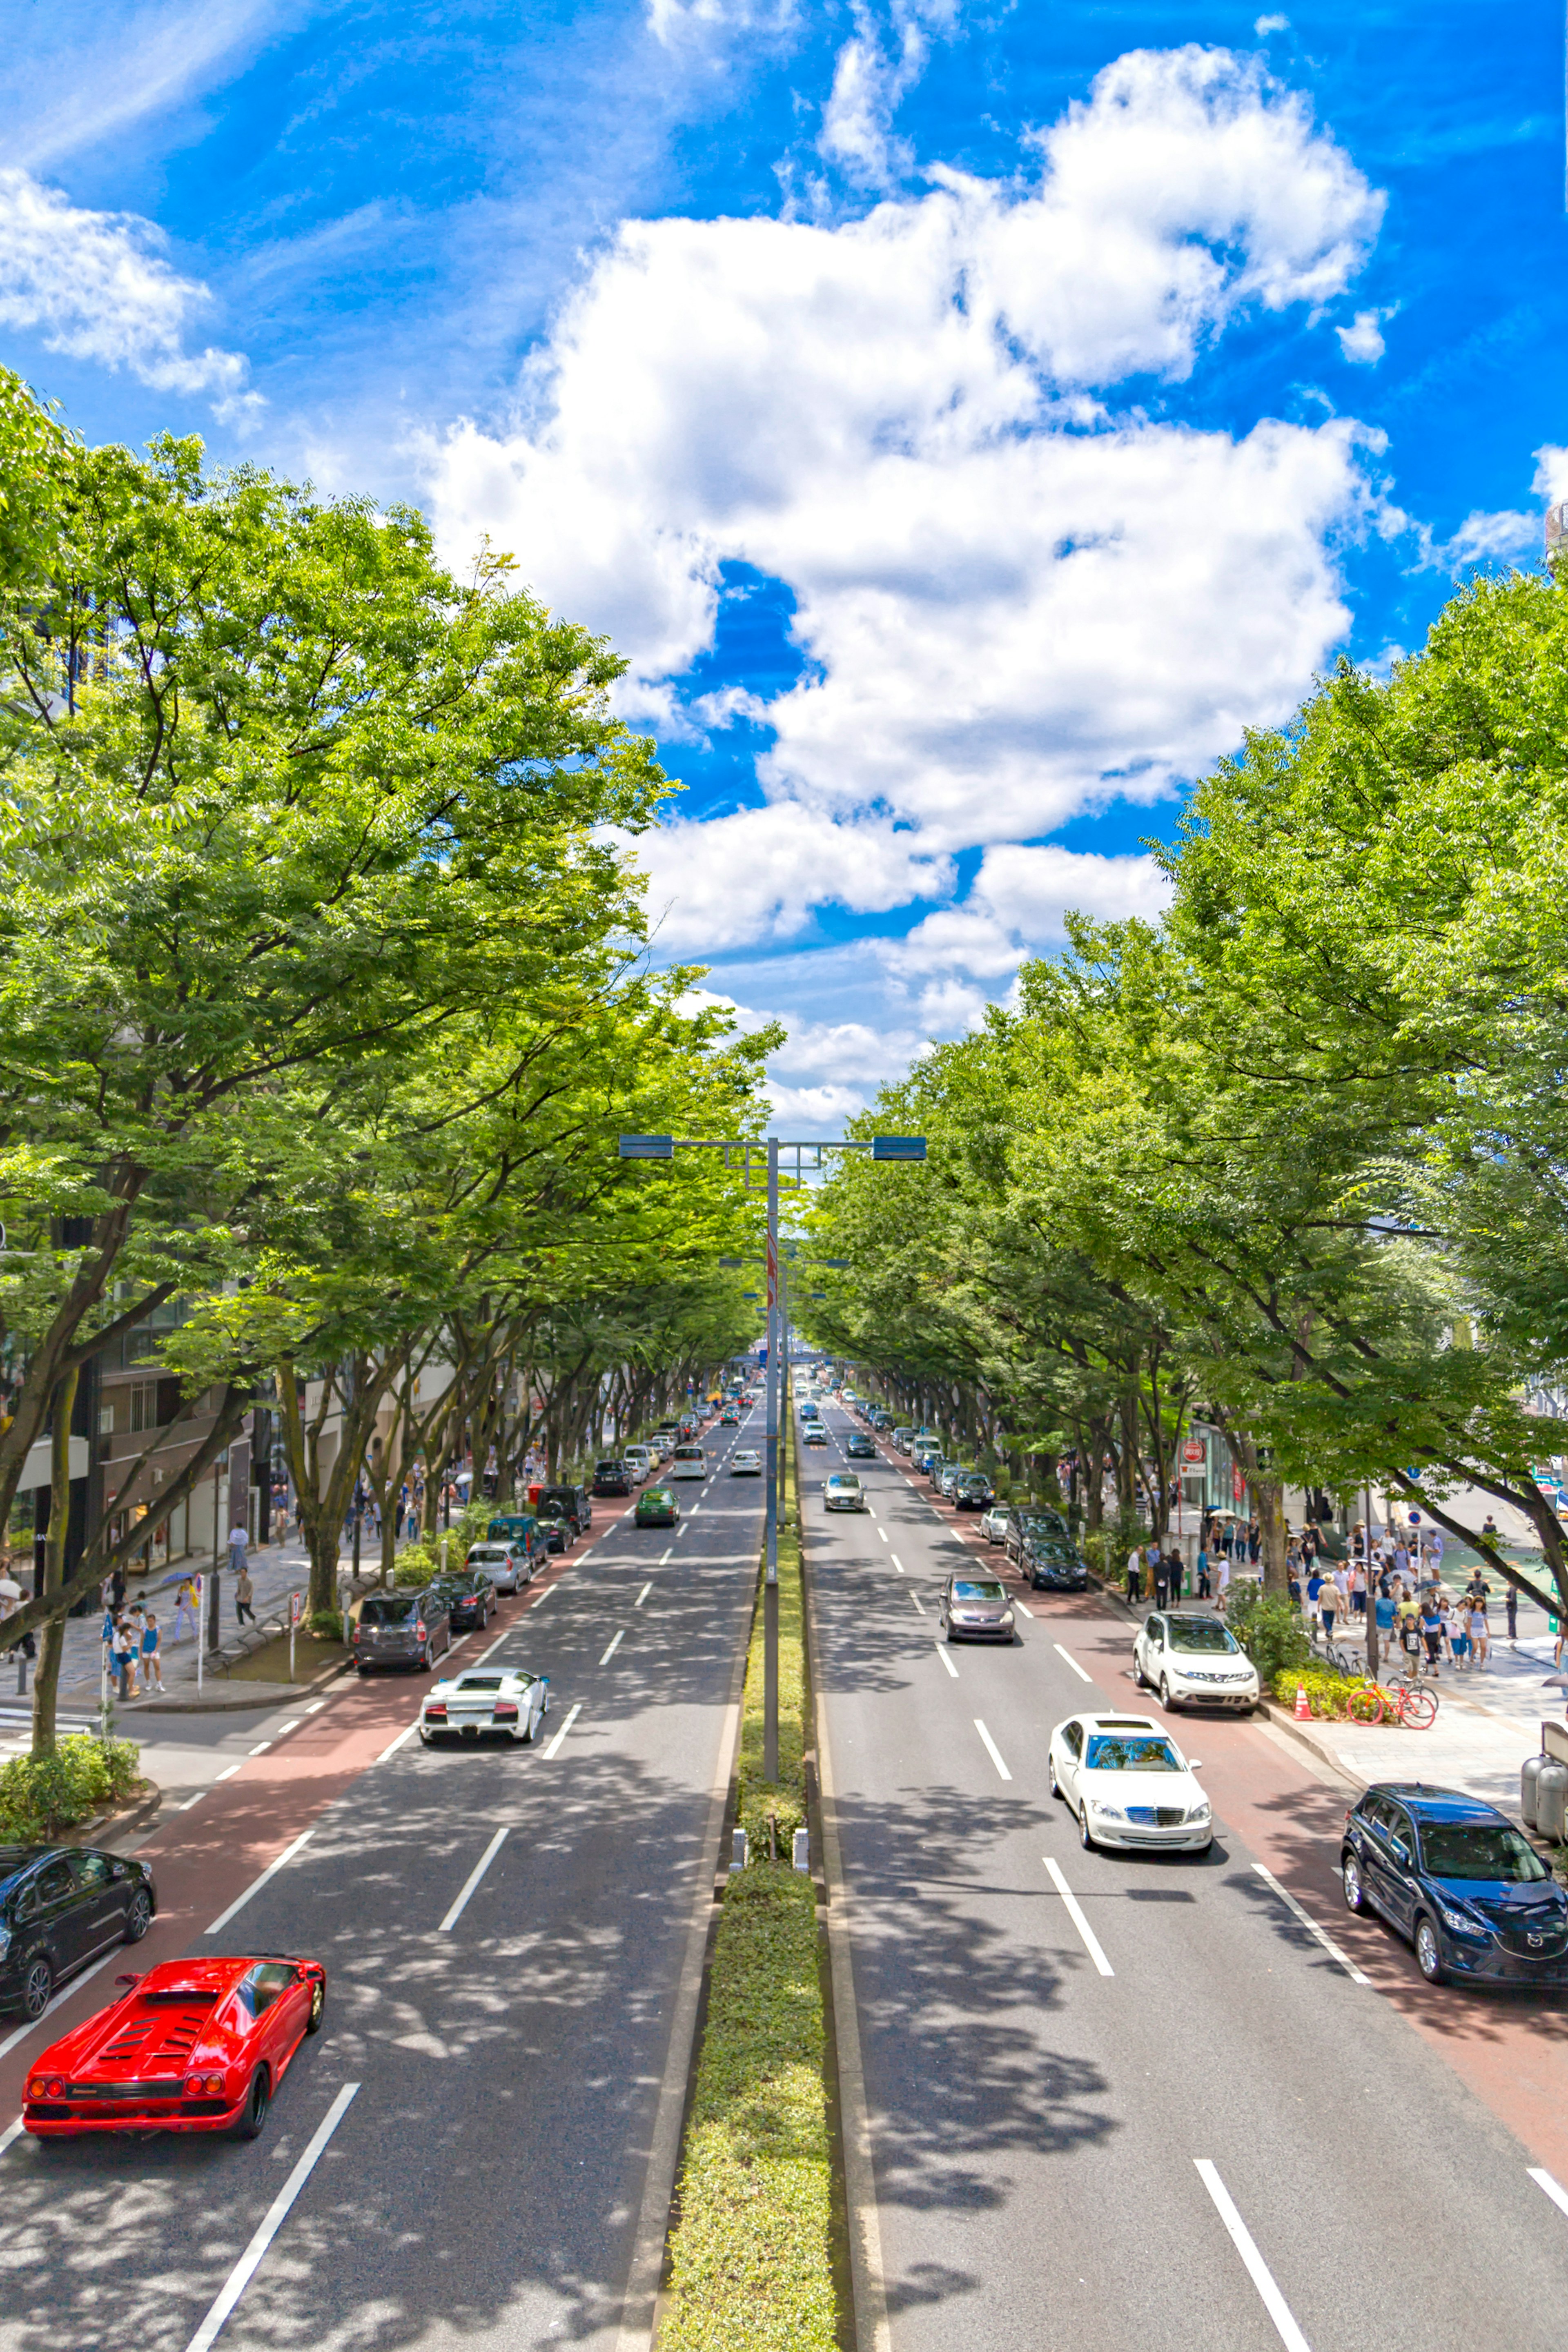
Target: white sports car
500,1699
1129,1784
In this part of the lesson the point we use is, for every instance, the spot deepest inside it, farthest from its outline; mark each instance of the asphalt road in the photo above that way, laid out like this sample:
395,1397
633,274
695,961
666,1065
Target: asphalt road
484,2182
1053,2146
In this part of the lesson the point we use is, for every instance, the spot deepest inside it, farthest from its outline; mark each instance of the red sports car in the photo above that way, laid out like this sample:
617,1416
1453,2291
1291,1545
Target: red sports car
194,2046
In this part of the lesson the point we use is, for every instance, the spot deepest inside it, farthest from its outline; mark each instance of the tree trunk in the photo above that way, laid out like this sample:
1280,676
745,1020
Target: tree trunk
46,1682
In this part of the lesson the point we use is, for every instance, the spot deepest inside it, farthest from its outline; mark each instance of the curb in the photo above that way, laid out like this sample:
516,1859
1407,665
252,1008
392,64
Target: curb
226,1698
139,1816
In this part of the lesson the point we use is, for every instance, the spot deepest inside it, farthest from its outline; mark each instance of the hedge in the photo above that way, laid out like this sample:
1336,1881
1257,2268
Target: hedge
41,1797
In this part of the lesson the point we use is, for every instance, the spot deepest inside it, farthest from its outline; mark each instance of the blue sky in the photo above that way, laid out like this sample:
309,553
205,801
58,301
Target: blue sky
966,419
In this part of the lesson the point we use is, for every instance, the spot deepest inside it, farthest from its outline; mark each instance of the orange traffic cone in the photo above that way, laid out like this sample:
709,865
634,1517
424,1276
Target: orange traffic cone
1304,1712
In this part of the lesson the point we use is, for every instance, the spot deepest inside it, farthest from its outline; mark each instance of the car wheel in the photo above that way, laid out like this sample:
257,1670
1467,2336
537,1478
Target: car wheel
254,2114
1054,1784
1139,1680
1165,1693
1085,1837
426,1661
1429,1952
38,1987
317,2017
364,1673
1355,1892
139,1919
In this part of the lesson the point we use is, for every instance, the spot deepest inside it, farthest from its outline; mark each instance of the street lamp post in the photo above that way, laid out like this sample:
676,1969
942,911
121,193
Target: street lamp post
665,1147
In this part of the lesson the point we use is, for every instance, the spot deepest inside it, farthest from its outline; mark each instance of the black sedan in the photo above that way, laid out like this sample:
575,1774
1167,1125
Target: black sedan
1460,1881
471,1597
1030,1522
859,1447
60,1907
1052,1566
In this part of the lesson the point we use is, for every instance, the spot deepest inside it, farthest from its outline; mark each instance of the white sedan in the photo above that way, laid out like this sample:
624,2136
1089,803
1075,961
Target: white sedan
502,1700
1129,1784
844,1492
1194,1661
747,1464
993,1522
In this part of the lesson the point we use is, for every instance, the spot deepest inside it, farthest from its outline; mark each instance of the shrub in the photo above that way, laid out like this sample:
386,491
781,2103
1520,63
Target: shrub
39,1798
416,1564
1269,1627
1328,1694
327,1624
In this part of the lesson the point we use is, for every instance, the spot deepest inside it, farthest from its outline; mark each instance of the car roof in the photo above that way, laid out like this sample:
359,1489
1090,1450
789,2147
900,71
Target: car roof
1123,1723
1437,1804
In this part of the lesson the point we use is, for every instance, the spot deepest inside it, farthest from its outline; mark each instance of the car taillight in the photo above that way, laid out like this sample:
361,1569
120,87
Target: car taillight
47,2087
205,2086
505,1712
436,1706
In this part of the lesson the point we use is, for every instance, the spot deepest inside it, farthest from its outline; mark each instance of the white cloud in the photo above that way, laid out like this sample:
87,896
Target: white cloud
98,287
1267,25
872,76
1361,341
757,873
1482,538
1550,482
1012,604
1016,905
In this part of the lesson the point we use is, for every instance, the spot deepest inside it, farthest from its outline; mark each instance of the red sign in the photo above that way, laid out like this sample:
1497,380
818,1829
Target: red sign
1238,1485
1194,1450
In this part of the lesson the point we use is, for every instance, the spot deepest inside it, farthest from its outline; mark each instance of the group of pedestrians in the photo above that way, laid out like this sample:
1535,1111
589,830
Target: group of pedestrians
1426,1620
1165,1570
132,1645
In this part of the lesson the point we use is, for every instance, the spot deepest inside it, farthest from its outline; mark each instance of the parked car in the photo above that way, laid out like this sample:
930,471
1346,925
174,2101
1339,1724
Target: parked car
470,1595
859,1447
972,1491
1052,1566
975,1608
1129,1784
656,1507
643,1459
402,1629
923,1453
1460,1881
60,1906
1194,1661
951,1472
902,1440
844,1492
1033,1519
613,1477
993,1522
500,1699
510,1565
229,2028
573,1503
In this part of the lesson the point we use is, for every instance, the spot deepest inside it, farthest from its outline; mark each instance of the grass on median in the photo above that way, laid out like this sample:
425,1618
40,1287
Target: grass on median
751,2259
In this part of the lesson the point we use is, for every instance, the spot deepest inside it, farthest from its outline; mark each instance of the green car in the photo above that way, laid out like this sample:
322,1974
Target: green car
656,1507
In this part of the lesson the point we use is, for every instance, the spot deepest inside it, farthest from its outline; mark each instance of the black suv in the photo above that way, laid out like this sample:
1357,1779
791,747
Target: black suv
401,1629
570,1503
613,1478
60,1906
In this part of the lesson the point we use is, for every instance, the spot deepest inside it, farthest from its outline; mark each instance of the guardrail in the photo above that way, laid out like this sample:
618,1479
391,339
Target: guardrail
23,1718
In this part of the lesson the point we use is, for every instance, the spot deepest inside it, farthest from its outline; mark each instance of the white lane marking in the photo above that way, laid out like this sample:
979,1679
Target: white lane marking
545,1594
494,1646
664,1556
257,1884
190,1802
407,1732
919,1604
897,1563
226,1775
1258,2270
1072,1661
314,1707
293,1725
615,1645
1538,2173
261,1748
1024,1607
565,1727
994,1752
882,1531
64,1994
474,1876
9,2133
1075,1913
946,1660
249,2263
643,1595
1311,1925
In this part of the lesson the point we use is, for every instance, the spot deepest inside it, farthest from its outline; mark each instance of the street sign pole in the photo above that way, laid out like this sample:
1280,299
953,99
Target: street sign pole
770,1576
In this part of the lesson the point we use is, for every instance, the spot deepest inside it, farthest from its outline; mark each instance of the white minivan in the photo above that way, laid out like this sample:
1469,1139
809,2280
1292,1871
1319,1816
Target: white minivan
689,1462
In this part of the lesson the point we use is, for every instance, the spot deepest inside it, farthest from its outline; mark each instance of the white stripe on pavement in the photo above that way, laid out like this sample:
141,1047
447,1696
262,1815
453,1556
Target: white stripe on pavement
615,1645
565,1727
994,1752
1073,1663
474,1876
882,1531
1538,2173
947,1662
257,1884
919,1604
1075,1913
1023,1606
643,1595
249,2263
229,1774
64,1994
1311,1925
897,1563
9,2133
407,1732
1258,2270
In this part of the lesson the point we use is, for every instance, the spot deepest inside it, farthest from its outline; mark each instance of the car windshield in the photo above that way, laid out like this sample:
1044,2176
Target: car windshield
656,1494
850,1483
387,1609
1117,1752
479,1683
1479,1850
689,1454
967,1589
608,1468
1200,1634
1040,1522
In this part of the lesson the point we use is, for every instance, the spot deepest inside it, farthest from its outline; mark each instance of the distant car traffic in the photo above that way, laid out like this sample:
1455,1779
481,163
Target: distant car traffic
500,1700
1129,1784
844,1492
746,1463
402,1629
728,1418
859,1447
195,2045
60,1907
975,1608
1460,1881
656,1507
1194,1661
509,1566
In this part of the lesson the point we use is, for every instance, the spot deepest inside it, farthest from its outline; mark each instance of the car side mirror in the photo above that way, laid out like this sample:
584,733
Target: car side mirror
1194,1763
128,1981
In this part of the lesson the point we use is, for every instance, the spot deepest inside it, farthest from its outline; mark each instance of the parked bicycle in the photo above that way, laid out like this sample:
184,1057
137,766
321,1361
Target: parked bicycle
1407,1699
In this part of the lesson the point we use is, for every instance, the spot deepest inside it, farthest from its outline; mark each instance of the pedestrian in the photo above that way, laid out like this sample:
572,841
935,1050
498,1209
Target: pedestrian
1432,1629
1176,1566
1254,1543
1203,1593
1479,1631
1293,1583
1490,1532
116,1587
243,1589
1328,1598
1383,1615
1162,1577
239,1545
1134,1575
151,1665
1224,1572
1512,1606
125,1658
185,1607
